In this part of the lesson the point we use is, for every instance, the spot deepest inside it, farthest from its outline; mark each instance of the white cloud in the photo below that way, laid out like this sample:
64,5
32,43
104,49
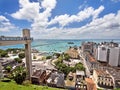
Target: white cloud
31,11
28,11
66,19
48,4
5,24
115,1
84,5
38,13
107,27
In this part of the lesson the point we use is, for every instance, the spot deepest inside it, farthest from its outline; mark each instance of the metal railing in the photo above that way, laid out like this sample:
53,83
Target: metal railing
3,38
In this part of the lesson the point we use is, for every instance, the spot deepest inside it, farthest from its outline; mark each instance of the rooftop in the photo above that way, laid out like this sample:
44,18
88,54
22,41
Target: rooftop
90,84
80,73
102,73
115,73
91,58
72,52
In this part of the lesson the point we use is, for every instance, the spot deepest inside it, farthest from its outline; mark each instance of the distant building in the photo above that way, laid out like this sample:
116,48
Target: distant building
80,81
95,51
114,56
73,53
6,62
108,53
102,53
91,62
39,77
87,47
103,79
115,73
56,79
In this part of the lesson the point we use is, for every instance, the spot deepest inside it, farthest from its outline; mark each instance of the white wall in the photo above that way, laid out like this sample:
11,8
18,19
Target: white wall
114,56
102,54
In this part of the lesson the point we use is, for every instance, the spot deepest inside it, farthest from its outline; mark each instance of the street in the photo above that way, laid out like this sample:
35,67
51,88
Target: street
84,63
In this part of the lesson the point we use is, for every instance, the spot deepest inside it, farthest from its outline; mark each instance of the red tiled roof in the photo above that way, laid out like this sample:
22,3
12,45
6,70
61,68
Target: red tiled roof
102,72
90,84
91,58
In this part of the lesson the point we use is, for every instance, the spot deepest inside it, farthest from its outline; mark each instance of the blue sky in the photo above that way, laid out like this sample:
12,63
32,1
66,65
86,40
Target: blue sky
61,19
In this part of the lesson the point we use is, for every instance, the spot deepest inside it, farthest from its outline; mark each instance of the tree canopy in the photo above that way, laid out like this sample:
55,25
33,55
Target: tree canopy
21,55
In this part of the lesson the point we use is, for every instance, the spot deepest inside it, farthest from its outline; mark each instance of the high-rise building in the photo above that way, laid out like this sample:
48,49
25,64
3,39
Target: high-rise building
87,47
109,53
114,56
102,53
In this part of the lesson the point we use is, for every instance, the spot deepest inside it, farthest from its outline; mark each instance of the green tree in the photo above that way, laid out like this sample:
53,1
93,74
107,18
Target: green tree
19,74
18,60
60,58
1,50
21,55
8,68
79,66
56,54
48,57
3,54
34,57
66,57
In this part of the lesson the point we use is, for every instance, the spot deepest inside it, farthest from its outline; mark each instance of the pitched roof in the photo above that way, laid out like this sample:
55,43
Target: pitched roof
90,84
102,73
91,58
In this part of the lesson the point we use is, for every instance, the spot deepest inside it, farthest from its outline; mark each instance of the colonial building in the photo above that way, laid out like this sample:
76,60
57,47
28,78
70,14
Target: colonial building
115,73
80,81
103,79
39,77
56,79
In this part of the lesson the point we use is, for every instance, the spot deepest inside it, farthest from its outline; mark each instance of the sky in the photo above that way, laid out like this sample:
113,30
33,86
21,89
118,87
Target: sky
61,19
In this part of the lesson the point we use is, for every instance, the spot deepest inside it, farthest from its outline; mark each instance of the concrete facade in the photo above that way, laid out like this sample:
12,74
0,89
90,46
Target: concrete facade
26,40
102,53
87,47
26,35
108,54
114,56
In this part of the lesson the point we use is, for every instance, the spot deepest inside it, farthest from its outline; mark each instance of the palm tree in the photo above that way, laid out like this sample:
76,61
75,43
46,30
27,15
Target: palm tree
19,74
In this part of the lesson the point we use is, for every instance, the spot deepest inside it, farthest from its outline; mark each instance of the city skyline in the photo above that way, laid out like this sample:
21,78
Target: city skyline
61,19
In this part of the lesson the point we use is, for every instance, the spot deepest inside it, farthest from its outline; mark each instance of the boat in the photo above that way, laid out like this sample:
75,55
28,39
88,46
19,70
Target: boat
70,42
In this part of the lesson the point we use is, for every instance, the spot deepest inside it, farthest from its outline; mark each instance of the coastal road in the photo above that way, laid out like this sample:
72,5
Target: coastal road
84,63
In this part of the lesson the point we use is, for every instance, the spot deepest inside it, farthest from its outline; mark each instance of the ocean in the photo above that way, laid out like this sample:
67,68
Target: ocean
53,45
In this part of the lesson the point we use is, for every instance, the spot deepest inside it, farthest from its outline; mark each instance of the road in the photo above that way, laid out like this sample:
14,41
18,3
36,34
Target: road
84,63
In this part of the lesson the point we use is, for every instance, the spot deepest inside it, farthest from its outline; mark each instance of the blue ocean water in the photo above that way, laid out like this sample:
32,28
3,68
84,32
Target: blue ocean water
53,45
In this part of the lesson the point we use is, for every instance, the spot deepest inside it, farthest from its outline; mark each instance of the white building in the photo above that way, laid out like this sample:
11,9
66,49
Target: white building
114,56
108,54
102,53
